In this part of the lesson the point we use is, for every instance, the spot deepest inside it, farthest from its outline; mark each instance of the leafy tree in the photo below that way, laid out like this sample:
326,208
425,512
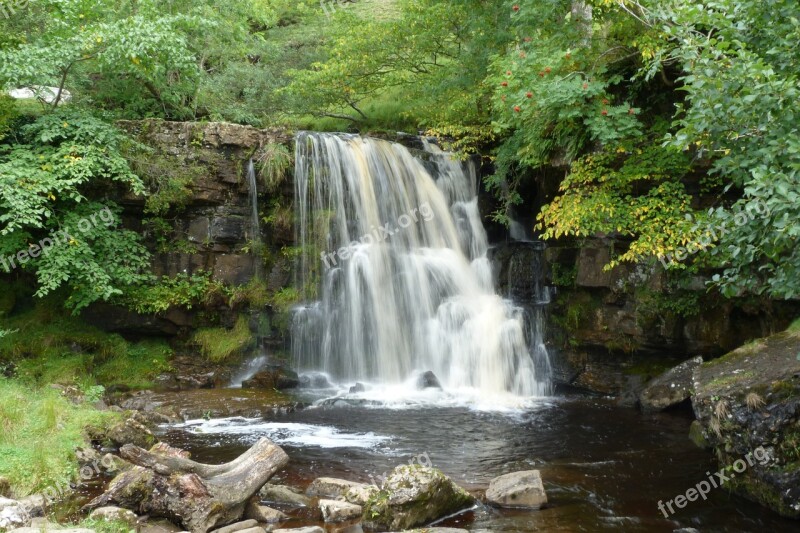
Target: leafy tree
739,60
48,223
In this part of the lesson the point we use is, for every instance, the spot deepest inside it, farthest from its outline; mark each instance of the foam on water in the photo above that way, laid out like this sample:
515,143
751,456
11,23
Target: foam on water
249,430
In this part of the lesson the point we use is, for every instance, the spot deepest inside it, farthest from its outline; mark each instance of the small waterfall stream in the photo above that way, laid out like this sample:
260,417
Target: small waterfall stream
395,259
255,363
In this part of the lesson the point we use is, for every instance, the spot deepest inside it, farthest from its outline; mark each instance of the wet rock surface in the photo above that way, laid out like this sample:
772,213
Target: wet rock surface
517,490
673,387
413,496
748,403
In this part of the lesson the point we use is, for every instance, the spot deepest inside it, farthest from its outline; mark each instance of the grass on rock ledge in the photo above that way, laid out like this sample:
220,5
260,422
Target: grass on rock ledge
39,431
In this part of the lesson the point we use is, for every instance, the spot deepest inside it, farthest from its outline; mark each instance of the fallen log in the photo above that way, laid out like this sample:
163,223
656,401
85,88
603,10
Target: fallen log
166,483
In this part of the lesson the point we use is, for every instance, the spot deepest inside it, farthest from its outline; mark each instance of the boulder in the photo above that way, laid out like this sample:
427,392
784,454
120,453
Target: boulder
517,490
314,380
262,513
275,377
114,514
337,511
748,403
360,495
36,504
428,380
285,495
357,388
13,514
238,526
131,432
670,388
332,488
412,496
159,526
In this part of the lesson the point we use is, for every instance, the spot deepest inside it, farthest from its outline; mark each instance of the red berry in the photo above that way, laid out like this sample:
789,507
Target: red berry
515,8
631,111
529,94
503,98
585,86
517,108
504,84
604,112
528,39
508,73
541,74
548,70
605,101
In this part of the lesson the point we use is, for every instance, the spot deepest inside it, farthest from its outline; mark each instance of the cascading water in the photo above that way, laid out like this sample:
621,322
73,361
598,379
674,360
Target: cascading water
395,255
251,366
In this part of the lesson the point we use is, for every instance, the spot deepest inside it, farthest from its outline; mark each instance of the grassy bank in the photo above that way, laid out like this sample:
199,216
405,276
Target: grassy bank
39,430
48,345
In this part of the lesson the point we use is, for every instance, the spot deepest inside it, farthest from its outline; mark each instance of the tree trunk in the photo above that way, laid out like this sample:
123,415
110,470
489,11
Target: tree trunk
201,497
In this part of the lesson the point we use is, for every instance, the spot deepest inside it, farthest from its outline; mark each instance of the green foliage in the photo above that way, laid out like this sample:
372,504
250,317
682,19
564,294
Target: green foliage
182,290
739,61
221,344
274,162
105,526
58,348
40,429
8,114
627,191
43,199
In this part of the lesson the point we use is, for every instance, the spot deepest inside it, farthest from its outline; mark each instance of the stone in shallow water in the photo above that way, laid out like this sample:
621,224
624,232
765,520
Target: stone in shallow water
112,514
518,489
263,514
284,494
337,511
238,526
413,496
329,487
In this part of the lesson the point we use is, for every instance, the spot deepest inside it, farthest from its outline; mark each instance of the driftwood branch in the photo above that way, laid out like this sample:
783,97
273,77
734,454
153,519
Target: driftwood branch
201,497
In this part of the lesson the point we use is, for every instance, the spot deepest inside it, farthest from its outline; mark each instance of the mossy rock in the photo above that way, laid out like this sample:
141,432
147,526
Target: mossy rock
413,496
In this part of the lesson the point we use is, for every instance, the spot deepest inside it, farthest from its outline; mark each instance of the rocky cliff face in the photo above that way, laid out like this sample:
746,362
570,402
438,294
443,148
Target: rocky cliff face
748,404
200,171
614,330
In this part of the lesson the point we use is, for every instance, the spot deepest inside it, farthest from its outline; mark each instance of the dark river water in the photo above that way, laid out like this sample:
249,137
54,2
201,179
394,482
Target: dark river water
605,468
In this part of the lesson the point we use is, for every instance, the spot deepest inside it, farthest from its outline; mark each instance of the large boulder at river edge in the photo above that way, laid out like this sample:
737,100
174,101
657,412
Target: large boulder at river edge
671,388
748,403
412,496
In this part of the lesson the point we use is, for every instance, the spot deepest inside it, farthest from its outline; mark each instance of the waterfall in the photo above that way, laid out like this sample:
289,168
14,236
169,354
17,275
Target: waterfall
256,362
395,266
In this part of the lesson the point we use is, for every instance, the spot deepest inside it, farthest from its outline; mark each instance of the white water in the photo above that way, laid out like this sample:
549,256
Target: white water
249,368
390,306
284,433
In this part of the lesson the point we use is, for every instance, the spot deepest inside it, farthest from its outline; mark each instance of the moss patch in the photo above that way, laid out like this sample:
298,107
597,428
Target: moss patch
222,344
